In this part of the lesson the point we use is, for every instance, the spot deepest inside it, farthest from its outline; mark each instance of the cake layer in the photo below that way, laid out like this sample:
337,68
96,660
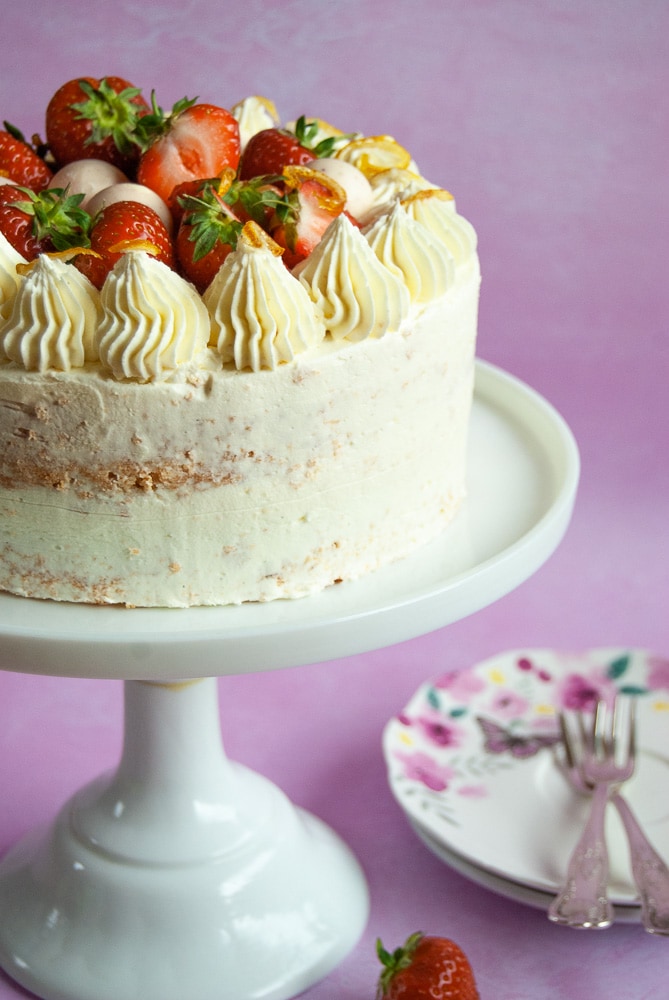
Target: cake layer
228,486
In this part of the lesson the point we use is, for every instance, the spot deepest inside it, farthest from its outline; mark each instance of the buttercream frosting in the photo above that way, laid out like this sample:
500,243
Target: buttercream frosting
9,278
355,295
435,209
53,319
254,114
389,185
261,316
410,251
152,320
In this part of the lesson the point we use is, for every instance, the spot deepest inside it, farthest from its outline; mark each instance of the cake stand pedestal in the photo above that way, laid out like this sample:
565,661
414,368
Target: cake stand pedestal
181,873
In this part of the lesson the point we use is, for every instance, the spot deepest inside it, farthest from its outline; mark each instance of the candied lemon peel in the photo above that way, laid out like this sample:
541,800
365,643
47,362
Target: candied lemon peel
254,236
440,193
66,255
333,195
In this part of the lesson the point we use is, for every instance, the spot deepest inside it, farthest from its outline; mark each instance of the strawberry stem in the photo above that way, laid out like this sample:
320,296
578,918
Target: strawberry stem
157,123
306,133
110,113
211,220
392,962
57,217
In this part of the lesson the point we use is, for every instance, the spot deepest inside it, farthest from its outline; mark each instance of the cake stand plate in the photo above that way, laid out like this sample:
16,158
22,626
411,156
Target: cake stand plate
181,873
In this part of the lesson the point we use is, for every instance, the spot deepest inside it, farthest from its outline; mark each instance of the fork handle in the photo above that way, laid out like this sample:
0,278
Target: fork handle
651,874
583,900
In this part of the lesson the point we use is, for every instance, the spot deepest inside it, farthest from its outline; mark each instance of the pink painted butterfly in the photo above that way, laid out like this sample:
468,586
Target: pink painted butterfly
500,740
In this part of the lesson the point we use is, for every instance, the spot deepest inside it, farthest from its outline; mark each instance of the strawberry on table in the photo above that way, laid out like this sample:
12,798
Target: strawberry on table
19,161
42,222
426,968
121,226
191,142
272,149
91,118
312,202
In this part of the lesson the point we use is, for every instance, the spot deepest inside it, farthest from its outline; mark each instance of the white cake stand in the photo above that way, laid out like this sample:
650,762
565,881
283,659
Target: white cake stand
181,874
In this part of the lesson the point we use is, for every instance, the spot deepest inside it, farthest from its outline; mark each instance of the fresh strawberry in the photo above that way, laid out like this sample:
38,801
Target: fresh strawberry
258,200
119,227
183,191
312,202
95,119
20,163
208,231
192,142
41,222
426,968
269,151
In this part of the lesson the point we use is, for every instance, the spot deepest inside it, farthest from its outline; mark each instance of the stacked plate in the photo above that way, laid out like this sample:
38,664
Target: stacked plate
472,762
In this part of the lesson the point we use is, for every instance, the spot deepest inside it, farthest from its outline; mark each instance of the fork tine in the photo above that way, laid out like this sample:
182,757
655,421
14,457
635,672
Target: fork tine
625,725
631,743
602,729
567,741
585,734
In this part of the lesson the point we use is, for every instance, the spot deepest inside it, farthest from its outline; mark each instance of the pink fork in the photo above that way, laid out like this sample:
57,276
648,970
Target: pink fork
650,873
583,900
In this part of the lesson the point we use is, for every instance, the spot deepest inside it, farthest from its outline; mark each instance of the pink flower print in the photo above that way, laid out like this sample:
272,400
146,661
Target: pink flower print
523,663
508,704
439,730
581,693
421,767
473,791
658,674
461,684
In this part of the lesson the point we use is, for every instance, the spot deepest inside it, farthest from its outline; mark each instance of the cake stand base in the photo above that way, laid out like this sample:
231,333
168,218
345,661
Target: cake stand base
180,874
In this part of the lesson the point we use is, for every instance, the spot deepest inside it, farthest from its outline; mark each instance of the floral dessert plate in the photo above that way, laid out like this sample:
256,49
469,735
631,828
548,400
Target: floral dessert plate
471,760
519,893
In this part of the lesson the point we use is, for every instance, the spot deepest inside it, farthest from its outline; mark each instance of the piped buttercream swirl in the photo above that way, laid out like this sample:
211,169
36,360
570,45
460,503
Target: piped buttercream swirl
355,294
53,319
9,278
411,252
261,316
389,185
435,209
254,114
152,321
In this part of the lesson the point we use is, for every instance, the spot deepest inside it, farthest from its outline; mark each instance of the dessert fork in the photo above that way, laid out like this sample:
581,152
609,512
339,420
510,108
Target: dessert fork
650,873
583,900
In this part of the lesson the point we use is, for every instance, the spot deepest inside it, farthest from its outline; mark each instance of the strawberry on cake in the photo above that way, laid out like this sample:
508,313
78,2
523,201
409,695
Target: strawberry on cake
236,358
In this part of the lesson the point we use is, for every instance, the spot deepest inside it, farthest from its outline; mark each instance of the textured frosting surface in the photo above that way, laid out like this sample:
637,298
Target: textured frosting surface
230,486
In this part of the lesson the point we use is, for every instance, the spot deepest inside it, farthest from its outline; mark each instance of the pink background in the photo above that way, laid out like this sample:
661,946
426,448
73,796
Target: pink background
548,121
